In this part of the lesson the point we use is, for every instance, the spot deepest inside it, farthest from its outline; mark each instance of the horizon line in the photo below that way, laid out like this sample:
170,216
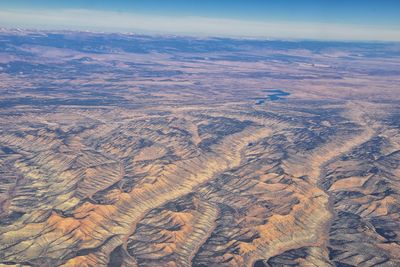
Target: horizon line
5,29
124,22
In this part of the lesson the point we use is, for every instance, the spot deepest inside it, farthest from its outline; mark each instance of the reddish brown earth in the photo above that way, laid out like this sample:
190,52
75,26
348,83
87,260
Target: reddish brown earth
129,150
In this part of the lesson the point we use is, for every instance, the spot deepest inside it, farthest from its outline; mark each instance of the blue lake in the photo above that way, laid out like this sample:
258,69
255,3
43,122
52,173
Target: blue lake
272,95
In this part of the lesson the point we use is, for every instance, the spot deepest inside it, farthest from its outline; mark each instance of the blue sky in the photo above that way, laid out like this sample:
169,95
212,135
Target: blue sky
293,19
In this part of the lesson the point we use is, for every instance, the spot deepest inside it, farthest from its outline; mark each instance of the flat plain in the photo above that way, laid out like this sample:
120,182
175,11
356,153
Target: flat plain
134,150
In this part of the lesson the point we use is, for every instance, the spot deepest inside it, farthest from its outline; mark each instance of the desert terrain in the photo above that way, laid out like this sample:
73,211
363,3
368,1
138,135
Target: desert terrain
135,150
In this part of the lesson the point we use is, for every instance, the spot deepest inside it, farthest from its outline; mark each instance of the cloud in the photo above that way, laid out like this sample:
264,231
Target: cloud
109,21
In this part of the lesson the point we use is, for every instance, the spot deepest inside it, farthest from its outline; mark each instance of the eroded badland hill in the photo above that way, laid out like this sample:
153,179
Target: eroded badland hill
130,150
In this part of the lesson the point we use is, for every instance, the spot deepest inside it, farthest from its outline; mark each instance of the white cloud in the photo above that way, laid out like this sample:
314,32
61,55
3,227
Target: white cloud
130,22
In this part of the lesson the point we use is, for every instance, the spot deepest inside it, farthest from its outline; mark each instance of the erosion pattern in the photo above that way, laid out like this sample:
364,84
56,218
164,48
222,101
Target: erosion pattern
130,150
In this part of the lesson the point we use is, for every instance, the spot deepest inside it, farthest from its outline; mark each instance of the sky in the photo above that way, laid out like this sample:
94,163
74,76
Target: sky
375,20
